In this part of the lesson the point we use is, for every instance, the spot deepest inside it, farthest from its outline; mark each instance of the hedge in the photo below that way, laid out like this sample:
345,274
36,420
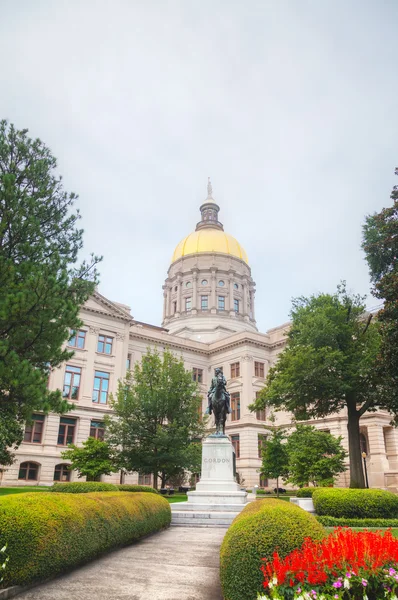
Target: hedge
48,533
305,492
126,487
343,522
355,504
83,487
262,527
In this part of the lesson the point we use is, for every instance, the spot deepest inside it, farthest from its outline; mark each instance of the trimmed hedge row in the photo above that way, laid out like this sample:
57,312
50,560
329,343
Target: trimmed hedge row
83,487
355,504
305,492
50,533
262,527
343,522
126,487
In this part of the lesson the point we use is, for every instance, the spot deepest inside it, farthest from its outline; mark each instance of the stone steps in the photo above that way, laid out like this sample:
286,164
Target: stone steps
191,518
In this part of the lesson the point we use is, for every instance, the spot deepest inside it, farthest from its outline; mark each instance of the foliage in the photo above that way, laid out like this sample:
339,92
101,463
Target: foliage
305,492
83,487
50,533
380,243
344,522
274,457
42,287
156,427
127,487
346,565
255,533
314,456
93,459
355,504
328,365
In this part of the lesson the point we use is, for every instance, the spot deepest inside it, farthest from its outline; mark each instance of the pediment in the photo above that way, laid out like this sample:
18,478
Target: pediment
97,303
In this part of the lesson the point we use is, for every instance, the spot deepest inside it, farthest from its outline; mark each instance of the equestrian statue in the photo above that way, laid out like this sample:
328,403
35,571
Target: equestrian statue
218,401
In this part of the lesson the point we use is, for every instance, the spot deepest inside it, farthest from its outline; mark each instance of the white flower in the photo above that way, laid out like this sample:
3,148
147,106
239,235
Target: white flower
346,583
3,548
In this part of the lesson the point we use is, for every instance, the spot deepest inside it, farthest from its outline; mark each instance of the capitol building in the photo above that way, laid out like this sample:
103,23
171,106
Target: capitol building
209,320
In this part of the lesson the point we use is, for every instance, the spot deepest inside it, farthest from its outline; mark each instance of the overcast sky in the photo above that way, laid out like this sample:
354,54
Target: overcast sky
289,106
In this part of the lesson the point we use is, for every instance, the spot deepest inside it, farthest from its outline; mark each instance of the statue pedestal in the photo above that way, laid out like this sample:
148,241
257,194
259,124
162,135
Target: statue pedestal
217,498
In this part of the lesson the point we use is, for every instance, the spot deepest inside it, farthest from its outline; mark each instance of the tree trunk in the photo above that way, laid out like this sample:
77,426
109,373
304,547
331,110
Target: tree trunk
155,480
277,487
357,479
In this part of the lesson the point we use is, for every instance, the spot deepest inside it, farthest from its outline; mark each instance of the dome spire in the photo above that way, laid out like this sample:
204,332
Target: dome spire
209,189
209,211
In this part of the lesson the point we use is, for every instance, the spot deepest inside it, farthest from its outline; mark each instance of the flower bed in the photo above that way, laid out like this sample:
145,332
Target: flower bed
346,565
49,533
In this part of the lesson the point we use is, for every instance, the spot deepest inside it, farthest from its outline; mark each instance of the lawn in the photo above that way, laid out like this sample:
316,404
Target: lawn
176,498
4,491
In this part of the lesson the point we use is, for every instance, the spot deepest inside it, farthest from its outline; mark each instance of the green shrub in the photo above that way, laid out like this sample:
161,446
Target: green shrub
50,533
343,522
83,487
126,487
305,492
263,527
355,504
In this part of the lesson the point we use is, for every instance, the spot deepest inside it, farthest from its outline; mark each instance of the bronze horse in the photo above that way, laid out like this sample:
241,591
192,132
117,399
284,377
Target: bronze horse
219,406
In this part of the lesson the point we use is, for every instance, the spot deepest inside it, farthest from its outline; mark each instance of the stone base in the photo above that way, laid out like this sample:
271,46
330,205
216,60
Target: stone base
304,503
217,499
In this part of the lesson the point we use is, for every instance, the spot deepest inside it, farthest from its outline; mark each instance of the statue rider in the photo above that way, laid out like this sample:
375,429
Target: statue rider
212,389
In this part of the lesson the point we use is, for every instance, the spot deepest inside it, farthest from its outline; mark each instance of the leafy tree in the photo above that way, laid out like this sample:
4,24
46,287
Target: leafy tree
328,365
380,242
156,425
274,457
42,286
314,456
92,460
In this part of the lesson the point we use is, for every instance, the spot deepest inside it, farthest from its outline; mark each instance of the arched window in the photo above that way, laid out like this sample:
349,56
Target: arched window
29,471
62,472
363,442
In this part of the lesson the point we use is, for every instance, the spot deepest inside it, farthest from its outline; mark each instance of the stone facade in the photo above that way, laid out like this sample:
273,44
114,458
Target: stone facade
207,334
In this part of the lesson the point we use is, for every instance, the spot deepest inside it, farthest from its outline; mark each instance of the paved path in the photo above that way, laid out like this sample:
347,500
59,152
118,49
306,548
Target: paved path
177,564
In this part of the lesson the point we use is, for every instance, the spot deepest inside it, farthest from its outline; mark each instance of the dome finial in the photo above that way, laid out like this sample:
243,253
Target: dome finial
209,189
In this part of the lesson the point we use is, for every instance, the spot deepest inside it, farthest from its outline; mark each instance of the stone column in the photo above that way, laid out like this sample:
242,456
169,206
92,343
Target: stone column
168,308
213,306
179,289
377,462
164,303
253,313
391,438
245,297
194,292
231,295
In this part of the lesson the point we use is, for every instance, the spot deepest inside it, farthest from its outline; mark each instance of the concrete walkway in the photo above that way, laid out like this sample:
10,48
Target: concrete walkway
177,564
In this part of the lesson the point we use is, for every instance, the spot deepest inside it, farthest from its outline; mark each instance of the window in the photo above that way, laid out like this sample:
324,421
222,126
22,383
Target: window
72,382
28,471
221,283
34,431
259,369
104,344
188,284
101,387
78,339
261,443
236,445
97,430
188,304
144,479
235,370
363,443
174,307
236,286
204,281
128,362
204,302
197,375
66,431
235,406
236,305
261,415
221,302
62,472
263,482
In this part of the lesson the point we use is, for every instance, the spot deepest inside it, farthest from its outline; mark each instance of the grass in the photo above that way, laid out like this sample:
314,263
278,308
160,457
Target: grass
176,498
5,491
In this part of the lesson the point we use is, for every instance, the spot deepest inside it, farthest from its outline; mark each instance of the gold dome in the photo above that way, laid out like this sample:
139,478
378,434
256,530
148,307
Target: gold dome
209,240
